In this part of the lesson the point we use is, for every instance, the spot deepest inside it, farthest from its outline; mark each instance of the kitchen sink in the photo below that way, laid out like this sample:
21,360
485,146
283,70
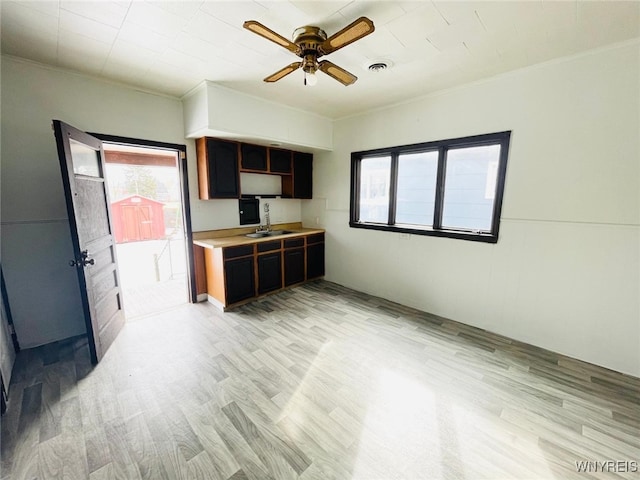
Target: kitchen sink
272,233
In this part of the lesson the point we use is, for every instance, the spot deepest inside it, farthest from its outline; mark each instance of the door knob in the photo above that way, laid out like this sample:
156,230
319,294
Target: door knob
82,262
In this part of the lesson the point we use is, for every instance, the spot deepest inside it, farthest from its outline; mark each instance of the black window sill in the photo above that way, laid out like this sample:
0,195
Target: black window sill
429,232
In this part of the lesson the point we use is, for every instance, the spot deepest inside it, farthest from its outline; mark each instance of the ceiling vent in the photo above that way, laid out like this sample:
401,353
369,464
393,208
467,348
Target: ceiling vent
378,66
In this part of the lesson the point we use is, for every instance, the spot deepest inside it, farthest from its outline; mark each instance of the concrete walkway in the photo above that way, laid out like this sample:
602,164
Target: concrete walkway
148,288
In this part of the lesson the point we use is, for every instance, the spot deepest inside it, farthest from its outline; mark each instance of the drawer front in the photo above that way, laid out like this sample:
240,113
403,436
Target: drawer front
294,242
317,238
234,252
269,246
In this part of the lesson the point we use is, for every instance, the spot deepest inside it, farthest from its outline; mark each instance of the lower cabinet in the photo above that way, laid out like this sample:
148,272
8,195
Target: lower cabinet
315,256
294,255
293,266
315,260
239,279
235,274
269,272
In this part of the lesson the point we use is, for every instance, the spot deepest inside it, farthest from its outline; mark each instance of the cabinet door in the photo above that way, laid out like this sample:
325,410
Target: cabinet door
254,157
239,279
223,169
315,260
279,161
302,175
293,266
269,272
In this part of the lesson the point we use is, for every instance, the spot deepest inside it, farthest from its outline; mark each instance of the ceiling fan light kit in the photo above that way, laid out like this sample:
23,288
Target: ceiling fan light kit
310,43
310,78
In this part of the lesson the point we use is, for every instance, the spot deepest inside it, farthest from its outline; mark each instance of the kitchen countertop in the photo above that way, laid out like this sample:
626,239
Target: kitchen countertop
236,240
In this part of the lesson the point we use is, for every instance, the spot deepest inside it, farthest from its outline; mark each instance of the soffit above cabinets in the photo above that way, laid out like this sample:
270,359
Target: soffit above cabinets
214,111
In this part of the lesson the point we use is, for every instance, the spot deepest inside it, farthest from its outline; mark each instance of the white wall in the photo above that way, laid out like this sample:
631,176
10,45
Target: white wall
564,274
36,244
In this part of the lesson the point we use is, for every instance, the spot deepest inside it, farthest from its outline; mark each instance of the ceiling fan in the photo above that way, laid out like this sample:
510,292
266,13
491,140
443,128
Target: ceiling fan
310,43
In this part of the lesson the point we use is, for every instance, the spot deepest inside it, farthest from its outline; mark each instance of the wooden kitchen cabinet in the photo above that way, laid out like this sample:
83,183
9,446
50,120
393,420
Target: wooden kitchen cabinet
230,273
221,161
269,266
237,272
279,161
300,184
239,276
269,272
315,256
293,266
239,279
293,261
218,174
253,157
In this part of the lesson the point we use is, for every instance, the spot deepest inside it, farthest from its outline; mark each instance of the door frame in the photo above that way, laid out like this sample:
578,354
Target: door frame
4,389
7,311
184,188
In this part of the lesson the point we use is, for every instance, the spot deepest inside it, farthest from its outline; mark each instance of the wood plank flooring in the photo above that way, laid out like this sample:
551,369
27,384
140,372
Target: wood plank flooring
316,382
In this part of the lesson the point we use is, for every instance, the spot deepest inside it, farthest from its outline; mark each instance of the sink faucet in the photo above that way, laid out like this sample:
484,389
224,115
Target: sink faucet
266,216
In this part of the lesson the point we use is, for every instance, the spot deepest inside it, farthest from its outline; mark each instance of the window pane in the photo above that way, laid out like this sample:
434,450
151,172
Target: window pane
417,173
86,160
374,189
469,187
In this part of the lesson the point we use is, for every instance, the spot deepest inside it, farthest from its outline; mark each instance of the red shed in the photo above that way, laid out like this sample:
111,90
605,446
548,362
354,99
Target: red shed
137,218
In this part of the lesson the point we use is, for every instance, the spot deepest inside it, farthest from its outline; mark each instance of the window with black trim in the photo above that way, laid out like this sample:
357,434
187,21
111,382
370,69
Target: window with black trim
448,188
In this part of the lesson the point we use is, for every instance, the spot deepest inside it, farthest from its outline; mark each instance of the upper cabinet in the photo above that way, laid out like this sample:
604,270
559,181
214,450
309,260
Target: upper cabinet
221,161
280,161
302,175
218,174
254,158
261,159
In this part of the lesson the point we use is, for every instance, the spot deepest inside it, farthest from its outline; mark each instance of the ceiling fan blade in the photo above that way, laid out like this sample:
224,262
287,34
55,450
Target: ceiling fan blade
336,72
283,72
349,34
258,28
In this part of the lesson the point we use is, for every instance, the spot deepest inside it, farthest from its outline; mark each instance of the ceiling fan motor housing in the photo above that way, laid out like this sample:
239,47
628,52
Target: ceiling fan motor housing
309,38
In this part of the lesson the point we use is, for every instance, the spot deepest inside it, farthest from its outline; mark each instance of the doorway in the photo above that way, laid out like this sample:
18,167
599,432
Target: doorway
147,204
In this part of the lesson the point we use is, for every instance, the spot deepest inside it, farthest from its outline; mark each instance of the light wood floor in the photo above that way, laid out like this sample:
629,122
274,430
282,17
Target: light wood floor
317,382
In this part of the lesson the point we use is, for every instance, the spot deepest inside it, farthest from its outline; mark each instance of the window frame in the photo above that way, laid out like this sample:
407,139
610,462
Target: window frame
442,147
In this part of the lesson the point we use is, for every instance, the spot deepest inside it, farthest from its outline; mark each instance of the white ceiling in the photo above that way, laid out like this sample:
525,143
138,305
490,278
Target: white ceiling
172,46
